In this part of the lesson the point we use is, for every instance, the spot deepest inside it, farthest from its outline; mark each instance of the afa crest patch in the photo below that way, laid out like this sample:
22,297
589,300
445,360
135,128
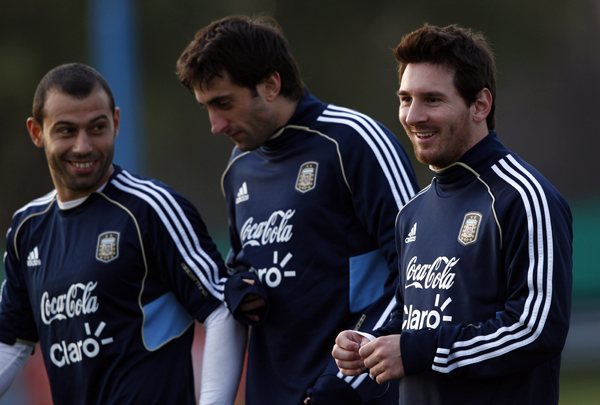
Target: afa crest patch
307,177
469,228
108,246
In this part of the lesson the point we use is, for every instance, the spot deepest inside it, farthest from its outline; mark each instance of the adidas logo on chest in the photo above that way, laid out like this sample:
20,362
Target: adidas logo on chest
242,194
33,259
412,235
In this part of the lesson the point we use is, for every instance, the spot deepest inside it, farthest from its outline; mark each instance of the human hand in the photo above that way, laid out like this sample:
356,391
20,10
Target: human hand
383,358
346,352
251,302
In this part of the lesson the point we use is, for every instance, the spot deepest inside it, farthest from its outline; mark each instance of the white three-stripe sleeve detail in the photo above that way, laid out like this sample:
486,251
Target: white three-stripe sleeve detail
537,265
195,250
549,239
397,159
390,179
197,247
398,186
174,235
215,289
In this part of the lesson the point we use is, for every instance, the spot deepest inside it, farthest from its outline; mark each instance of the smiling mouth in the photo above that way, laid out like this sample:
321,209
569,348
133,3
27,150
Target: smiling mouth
82,165
424,134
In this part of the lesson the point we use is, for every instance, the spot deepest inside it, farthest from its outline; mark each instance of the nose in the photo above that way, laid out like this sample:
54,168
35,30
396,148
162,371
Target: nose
413,114
83,143
218,123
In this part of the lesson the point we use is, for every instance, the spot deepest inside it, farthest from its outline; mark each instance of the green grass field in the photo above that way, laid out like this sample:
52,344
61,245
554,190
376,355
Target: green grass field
580,388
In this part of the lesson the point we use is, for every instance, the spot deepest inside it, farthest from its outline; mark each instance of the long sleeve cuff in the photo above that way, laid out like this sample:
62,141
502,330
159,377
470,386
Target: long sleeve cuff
236,289
418,350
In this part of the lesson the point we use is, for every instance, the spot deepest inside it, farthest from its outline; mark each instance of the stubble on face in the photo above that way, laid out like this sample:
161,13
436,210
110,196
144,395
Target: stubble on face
435,117
80,182
257,126
451,146
77,173
237,112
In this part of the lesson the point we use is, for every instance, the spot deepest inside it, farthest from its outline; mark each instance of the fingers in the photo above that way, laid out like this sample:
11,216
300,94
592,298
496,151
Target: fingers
348,361
250,303
342,354
350,340
381,375
347,358
367,349
350,368
383,358
345,352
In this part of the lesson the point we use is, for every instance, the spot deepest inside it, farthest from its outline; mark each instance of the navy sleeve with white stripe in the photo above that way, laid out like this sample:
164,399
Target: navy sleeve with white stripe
180,242
532,327
485,282
381,161
381,181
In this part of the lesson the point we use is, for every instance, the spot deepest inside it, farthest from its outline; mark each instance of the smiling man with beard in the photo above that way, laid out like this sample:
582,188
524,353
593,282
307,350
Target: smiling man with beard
109,270
485,251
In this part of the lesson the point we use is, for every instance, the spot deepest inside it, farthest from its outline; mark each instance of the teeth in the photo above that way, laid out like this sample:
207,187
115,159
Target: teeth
83,165
424,134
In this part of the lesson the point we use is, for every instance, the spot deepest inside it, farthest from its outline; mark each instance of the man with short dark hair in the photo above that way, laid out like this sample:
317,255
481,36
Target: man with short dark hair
312,191
109,270
485,251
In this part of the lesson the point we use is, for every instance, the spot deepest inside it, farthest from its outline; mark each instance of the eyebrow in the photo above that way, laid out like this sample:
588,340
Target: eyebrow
216,100
98,118
426,94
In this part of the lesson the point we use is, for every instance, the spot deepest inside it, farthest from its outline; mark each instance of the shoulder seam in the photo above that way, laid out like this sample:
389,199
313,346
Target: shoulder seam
35,214
231,161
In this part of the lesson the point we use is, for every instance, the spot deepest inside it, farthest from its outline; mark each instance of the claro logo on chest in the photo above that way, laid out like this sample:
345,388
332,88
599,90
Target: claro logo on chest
274,230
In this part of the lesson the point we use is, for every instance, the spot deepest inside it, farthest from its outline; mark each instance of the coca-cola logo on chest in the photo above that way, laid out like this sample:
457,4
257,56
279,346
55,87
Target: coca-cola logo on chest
77,301
274,230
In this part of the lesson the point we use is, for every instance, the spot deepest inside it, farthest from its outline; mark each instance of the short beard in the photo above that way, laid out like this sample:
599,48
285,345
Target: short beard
460,135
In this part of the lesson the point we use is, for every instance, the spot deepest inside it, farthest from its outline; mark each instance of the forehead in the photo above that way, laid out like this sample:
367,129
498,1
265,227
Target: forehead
427,78
63,107
220,86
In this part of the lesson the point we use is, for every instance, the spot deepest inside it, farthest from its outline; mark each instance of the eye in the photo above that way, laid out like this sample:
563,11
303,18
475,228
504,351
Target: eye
405,100
97,128
66,130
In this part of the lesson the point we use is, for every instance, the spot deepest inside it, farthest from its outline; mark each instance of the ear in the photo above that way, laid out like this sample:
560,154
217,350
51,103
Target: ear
482,106
117,120
271,87
35,132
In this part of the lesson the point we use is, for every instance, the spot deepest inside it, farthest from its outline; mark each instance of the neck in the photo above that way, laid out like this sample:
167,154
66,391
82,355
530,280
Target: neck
284,110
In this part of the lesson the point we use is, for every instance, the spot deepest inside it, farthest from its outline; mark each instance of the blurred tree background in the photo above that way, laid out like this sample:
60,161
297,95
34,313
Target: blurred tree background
547,55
